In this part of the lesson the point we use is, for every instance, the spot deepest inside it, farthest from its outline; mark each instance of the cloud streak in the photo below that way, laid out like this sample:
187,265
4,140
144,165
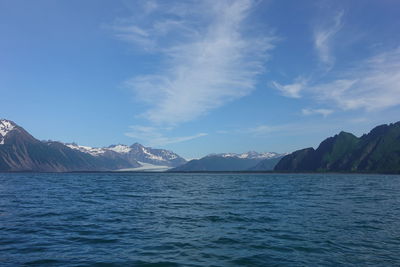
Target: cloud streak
210,61
323,38
374,84
298,128
291,90
319,111
153,136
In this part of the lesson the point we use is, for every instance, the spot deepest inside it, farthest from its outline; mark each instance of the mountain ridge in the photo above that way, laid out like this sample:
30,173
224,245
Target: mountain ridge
136,152
230,162
375,152
20,151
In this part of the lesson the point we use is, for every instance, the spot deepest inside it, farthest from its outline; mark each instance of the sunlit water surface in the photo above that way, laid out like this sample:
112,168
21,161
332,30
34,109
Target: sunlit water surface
199,220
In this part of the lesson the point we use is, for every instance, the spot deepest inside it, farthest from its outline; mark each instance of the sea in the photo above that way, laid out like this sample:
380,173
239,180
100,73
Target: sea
202,219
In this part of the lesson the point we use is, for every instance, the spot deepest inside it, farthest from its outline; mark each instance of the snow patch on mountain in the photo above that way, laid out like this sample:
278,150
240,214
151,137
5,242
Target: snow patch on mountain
6,126
256,155
135,152
151,156
154,154
248,155
94,151
119,148
97,151
169,155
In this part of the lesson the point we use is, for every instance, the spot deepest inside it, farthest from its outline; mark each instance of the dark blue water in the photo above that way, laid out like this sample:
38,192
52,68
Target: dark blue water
199,220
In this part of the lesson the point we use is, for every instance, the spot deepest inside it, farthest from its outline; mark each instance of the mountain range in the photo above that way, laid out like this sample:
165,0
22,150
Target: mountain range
375,152
20,151
232,162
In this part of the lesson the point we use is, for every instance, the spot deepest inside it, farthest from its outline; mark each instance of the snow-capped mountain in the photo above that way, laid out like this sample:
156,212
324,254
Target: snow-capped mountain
135,153
232,162
119,148
6,126
248,155
87,149
98,151
20,151
155,156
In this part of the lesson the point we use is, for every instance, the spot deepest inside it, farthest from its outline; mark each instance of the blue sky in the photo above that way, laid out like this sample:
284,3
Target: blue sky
199,77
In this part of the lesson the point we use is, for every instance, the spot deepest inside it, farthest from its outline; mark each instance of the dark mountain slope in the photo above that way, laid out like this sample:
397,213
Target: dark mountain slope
377,151
216,163
20,151
231,162
266,164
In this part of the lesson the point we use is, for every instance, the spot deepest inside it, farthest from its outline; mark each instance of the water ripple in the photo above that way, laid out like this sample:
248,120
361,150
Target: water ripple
199,220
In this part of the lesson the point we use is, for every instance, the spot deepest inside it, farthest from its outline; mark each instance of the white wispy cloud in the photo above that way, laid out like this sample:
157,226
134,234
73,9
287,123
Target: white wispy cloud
210,58
292,90
323,38
153,136
319,111
287,129
297,128
373,84
264,129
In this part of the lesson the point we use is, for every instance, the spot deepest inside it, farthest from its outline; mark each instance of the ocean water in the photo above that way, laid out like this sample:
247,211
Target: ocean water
158,219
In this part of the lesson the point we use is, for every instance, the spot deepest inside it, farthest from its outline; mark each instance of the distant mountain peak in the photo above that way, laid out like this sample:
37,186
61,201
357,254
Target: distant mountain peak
120,148
97,151
20,151
232,162
136,145
94,151
246,155
6,126
136,152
